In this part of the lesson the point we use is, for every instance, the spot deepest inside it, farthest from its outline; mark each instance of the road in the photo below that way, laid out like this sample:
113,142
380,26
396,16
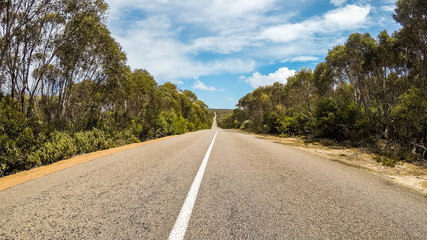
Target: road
252,188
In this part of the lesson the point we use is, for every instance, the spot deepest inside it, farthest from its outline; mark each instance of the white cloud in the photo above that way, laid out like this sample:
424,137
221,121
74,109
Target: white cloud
388,8
176,40
237,8
220,44
348,17
281,76
201,86
153,44
302,59
287,32
338,2
345,18
223,13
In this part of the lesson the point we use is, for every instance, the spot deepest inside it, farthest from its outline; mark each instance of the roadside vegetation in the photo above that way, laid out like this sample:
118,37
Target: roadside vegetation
65,88
368,92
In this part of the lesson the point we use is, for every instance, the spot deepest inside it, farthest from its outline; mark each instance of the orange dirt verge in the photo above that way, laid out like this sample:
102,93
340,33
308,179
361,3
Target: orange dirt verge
25,176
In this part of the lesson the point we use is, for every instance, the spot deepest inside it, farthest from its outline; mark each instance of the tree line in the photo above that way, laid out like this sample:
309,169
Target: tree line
65,88
368,92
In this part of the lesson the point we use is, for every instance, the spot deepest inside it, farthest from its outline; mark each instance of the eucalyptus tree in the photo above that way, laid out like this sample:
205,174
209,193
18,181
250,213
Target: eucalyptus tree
412,15
409,115
47,45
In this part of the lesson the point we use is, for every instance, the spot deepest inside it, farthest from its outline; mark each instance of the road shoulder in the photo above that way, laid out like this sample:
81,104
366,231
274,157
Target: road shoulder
408,175
34,173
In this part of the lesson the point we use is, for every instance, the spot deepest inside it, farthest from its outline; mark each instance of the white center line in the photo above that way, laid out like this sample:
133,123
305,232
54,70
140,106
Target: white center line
181,223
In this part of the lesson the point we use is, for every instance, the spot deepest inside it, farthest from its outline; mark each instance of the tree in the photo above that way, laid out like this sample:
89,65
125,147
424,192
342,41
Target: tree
410,120
412,15
323,80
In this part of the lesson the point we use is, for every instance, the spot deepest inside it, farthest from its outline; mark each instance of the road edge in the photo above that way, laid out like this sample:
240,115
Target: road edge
398,180
34,173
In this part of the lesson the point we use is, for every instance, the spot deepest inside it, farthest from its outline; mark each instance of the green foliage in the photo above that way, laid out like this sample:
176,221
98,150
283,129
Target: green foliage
76,88
169,123
16,138
327,142
390,157
285,125
85,98
326,120
367,91
323,79
411,14
385,161
90,141
59,146
409,119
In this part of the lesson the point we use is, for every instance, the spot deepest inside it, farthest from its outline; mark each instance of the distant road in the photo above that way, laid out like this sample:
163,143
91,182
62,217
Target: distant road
251,188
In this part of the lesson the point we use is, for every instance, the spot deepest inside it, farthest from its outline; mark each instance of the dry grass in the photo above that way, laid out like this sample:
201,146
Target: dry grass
410,175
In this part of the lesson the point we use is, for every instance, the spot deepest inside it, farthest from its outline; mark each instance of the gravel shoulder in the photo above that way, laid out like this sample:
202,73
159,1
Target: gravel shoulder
405,174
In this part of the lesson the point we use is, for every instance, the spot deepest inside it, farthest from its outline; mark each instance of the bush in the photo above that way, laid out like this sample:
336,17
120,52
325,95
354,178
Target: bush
16,138
60,146
385,161
409,119
247,125
170,123
327,142
125,137
326,120
407,156
90,141
285,125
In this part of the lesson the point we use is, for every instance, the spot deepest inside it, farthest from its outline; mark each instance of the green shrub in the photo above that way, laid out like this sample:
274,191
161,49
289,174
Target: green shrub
247,125
409,119
326,120
385,161
327,142
16,138
90,141
125,137
284,124
170,123
9,155
60,146
408,156
191,126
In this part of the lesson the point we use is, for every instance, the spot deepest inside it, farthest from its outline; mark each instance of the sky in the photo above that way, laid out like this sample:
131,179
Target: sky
224,49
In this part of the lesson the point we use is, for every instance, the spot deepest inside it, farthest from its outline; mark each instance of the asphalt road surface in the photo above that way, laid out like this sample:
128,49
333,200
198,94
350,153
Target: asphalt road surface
251,188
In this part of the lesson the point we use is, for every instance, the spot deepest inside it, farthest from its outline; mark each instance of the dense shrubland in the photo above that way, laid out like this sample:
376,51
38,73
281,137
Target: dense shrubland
368,92
65,88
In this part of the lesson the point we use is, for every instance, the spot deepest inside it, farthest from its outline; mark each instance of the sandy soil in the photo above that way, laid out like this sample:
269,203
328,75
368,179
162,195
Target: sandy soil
405,174
25,176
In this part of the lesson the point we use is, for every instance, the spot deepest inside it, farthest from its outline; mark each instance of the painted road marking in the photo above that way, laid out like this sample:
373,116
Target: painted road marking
181,223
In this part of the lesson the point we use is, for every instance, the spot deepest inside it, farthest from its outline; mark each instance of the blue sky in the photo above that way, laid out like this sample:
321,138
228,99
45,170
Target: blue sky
224,49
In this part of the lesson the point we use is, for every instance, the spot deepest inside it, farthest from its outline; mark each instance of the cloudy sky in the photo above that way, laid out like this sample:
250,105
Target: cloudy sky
223,49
